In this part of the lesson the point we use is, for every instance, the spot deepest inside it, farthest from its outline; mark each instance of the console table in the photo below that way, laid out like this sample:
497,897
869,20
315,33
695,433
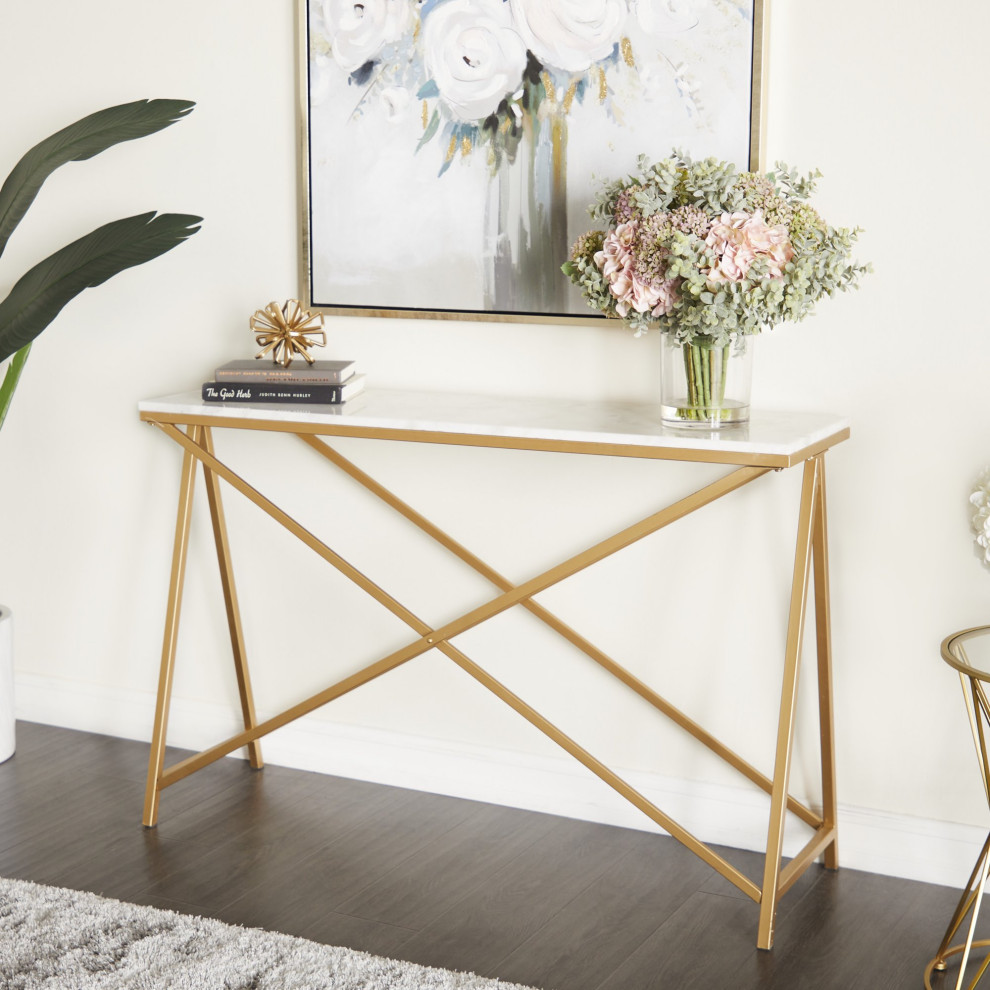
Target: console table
771,442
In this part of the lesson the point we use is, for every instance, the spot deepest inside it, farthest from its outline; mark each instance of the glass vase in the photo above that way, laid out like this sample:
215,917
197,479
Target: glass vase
705,385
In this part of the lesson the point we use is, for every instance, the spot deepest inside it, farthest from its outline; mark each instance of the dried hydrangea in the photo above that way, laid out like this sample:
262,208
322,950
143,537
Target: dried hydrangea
588,244
632,294
740,239
760,193
651,253
625,209
653,235
805,219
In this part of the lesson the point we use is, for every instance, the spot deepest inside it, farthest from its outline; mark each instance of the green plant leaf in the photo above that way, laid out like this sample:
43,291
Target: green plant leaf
11,378
39,295
83,139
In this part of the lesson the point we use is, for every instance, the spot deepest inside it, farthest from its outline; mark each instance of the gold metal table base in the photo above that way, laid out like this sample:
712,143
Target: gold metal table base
973,676
810,564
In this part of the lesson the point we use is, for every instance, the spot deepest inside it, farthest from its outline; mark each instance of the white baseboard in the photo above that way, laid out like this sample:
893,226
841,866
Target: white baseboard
875,841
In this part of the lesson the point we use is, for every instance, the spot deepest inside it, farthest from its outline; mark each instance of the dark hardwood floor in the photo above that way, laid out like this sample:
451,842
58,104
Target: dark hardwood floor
548,902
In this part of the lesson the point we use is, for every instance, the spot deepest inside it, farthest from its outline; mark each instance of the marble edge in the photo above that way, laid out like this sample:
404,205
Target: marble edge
357,415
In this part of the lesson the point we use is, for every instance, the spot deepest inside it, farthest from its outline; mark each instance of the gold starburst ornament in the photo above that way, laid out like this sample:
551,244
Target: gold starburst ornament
287,331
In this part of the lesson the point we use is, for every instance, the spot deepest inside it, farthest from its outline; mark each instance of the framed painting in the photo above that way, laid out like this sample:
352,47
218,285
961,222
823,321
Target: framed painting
451,148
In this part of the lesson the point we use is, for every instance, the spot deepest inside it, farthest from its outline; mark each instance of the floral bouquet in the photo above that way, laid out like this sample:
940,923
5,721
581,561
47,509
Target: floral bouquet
708,254
698,249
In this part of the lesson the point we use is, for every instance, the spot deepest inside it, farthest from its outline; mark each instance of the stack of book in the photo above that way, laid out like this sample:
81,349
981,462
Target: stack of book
251,380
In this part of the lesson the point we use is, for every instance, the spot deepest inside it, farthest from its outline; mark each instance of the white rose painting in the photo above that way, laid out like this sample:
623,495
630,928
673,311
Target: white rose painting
474,55
453,144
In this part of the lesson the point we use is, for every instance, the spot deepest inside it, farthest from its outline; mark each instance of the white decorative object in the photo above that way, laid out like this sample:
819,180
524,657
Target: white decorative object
6,684
980,500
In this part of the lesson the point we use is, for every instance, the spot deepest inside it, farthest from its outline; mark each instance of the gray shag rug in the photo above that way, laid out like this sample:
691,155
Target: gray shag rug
53,938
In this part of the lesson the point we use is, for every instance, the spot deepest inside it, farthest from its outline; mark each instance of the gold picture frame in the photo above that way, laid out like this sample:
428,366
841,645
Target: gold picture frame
342,233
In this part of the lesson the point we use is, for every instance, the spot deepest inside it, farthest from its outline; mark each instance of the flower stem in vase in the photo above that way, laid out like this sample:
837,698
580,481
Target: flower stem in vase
704,359
698,388
692,385
720,369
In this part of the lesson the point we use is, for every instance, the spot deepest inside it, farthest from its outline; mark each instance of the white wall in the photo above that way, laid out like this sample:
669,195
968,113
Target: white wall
887,107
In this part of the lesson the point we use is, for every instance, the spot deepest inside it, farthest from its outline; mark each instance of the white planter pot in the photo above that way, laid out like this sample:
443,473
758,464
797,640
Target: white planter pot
6,684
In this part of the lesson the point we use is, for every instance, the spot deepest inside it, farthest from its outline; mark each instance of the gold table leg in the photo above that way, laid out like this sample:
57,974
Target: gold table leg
788,700
230,601
823,627
155,785
179,552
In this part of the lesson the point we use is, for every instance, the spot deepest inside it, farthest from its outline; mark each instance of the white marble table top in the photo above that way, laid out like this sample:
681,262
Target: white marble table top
633,425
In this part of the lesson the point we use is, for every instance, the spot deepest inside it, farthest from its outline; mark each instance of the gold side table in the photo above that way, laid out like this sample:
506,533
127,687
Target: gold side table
968,652
772,442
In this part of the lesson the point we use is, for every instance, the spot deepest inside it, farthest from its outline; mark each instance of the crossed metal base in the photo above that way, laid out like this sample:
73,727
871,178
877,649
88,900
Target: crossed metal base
973,677
969,906
811,559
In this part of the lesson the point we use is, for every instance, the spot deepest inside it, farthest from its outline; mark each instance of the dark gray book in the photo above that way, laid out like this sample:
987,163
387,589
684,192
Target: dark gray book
263,370
292,392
